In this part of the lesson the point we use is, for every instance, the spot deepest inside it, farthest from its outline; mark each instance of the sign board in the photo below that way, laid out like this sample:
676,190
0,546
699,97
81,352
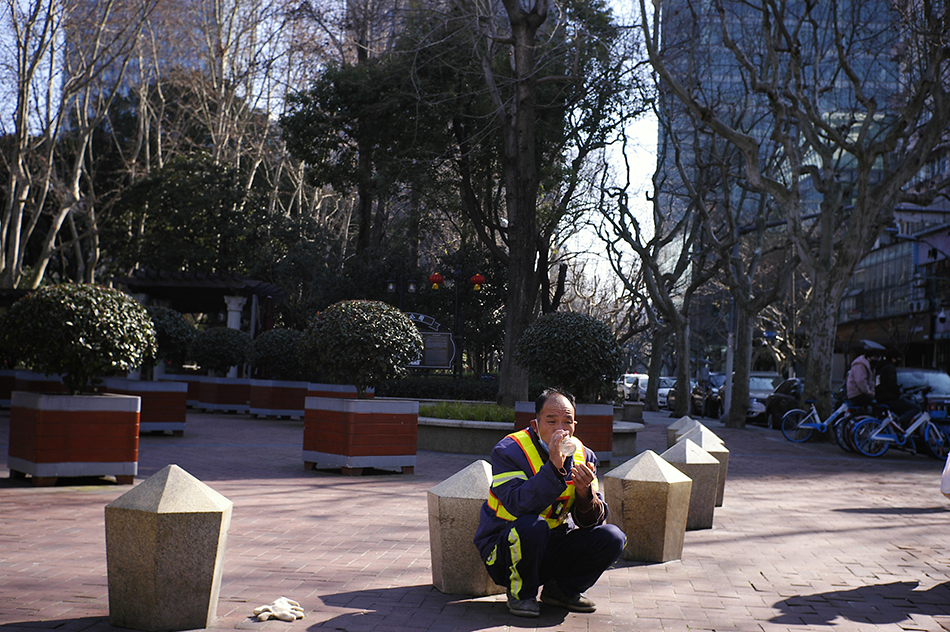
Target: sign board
438,345
438,350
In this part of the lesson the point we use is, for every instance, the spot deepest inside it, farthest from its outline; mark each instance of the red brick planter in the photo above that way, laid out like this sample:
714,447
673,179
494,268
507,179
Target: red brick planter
352,434
278,398
595,426
193,382
73,435
164,404
225,394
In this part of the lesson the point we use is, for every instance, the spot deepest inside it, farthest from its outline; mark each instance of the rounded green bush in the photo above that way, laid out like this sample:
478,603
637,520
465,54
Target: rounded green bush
572,351
175,335
219,348
276,352
82,332
361,343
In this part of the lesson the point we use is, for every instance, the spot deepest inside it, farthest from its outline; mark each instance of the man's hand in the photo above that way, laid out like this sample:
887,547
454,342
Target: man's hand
554,450
583,477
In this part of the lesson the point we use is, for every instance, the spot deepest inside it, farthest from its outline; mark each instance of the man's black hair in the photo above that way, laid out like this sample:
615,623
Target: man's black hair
548,392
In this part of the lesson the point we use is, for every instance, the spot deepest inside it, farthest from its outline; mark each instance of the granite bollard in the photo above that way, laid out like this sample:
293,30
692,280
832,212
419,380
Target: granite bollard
165,542
714,446
649,502
703,469
691,432
454,508
681,423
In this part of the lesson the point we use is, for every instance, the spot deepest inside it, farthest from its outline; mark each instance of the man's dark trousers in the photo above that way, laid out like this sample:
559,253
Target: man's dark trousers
528,554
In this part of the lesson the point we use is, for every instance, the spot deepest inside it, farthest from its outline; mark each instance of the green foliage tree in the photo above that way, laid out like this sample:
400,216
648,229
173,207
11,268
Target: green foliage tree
82,332
573,351
498,116
361,343
184,217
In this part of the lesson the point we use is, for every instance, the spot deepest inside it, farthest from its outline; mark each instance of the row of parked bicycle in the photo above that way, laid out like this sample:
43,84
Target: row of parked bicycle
871,435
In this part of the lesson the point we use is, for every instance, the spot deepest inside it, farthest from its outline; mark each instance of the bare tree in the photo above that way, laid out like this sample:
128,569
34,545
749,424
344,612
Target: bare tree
855,96
669,255
68,60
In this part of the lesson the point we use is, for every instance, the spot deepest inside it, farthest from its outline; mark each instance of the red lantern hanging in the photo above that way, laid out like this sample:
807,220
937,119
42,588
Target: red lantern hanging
477,281
436,280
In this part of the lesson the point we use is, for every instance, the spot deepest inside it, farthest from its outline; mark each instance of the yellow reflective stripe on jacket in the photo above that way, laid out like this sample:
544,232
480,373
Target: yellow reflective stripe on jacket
523,439
554,514
504,477
495,505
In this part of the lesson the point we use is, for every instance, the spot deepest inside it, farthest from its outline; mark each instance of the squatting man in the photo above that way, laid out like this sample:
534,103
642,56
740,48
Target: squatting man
543,522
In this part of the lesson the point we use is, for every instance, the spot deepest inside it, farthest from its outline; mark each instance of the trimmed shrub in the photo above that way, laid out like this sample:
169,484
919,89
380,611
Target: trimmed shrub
360,343
276,354
81,332
219,348
572,351
175,335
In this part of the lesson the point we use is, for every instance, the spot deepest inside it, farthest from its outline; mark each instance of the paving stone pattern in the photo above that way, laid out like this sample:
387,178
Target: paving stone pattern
808,538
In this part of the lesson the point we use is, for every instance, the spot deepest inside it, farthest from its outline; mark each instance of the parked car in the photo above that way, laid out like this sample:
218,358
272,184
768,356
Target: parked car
786,396
663,391
761,385
671,395
633,386
704,397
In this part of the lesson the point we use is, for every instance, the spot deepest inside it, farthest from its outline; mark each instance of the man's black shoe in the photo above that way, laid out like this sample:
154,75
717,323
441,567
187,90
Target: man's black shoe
554,596
524,607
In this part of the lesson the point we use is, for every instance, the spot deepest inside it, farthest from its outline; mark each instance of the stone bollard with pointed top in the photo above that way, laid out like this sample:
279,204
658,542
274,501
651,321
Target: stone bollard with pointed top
693,431
712,444
454,508
165,542
649,501
683,423
703,469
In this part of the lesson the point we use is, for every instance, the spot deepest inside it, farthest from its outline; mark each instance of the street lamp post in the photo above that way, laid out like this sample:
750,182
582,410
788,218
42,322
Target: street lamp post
402,284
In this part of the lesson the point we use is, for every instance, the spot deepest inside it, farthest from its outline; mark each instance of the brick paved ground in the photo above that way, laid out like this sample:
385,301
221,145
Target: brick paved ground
808,538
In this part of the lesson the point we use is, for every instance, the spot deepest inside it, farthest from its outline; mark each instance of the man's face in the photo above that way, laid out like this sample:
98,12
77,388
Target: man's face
556,414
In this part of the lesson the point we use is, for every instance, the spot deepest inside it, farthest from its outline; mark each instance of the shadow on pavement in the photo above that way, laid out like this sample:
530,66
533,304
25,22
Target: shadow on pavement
877,604
79,624
895,510
422,606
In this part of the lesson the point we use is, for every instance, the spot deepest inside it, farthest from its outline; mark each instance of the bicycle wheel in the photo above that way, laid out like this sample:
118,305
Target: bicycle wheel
863,441
938,445
842,428
792,426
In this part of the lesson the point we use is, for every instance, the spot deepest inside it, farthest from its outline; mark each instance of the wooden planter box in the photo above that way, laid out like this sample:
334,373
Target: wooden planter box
73,435
352,434
164,404
595,426
7,386
278,398
225,394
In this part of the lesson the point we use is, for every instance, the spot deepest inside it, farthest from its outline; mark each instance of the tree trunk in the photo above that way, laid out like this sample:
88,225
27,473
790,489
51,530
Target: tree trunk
661,336
521,192
820,328
741,362
681,344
